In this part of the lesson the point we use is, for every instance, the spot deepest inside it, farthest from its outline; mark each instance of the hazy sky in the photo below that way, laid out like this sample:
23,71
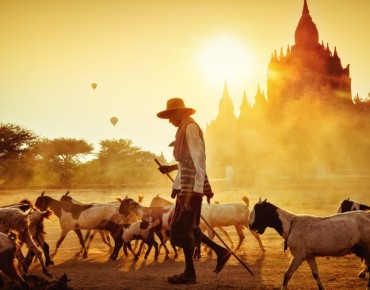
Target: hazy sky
140,53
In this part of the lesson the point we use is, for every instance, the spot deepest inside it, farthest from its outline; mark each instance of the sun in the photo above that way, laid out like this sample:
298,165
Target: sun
225,58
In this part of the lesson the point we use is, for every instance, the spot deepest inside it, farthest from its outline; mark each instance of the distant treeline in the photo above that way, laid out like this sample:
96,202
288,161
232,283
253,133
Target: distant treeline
28,160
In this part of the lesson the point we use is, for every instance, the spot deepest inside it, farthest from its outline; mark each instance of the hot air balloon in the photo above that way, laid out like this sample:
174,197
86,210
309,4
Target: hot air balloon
94,85
114,121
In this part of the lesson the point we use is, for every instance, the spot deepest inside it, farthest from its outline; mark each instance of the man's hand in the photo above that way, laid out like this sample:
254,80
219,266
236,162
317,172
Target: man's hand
174,193
165,169
209,196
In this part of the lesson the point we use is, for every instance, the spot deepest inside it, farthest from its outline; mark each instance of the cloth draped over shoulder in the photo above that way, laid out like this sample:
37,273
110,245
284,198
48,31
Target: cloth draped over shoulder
189,151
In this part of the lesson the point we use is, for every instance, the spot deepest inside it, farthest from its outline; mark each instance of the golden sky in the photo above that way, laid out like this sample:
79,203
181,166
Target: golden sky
142,52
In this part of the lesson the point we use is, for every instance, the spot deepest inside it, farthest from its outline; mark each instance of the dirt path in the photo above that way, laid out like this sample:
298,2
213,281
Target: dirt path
97,272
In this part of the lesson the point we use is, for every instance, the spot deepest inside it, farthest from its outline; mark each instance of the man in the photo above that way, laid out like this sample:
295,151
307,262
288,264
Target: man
190,185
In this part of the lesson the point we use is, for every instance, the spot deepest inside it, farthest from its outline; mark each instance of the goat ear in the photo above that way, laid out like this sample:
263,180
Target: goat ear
119,199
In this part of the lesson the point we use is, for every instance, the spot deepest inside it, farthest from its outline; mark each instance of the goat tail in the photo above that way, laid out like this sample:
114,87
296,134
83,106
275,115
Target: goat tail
246,200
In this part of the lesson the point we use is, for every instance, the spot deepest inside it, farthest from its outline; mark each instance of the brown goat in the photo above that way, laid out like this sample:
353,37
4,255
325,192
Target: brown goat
13,219
8,251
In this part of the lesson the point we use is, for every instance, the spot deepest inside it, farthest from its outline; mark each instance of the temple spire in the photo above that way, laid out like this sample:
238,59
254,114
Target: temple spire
245,104
335,52
226,106
226,91
260,99
305,10
245,108
306,33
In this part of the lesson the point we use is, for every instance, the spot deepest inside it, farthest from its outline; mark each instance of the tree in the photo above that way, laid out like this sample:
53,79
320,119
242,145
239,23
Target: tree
120,162
15,143
58,159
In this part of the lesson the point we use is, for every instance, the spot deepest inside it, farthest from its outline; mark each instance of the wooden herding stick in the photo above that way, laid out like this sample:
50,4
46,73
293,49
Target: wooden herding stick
214,232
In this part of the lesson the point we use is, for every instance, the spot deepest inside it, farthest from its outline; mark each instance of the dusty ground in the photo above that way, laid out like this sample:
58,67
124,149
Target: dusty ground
97,272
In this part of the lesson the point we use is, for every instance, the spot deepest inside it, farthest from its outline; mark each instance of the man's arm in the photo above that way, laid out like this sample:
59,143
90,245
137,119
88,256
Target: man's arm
196,148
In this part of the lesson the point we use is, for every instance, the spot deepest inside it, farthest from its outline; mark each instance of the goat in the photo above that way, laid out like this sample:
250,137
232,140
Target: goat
90,236
160,217
94,213
351,205
76,217
8,249
38,234
309,236
118,219
14,219
158,201
36,228
124,234
228,214
44,202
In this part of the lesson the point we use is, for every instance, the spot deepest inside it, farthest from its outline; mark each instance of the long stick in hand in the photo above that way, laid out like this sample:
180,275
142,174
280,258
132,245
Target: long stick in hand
214,232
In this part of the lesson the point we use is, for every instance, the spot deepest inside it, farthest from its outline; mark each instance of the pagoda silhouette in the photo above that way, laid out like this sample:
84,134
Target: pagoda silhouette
307,126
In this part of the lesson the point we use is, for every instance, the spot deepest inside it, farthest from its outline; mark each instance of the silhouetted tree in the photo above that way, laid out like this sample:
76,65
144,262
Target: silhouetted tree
15,143
14,140
120,162
58,159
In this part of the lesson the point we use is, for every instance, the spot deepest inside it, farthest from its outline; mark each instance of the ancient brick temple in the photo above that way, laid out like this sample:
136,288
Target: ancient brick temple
307,68
307,125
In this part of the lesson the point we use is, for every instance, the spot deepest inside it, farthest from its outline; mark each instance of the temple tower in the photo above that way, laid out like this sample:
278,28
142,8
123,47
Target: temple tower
309,70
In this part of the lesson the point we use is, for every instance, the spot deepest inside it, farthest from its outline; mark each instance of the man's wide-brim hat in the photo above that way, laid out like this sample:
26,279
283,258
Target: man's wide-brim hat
174,105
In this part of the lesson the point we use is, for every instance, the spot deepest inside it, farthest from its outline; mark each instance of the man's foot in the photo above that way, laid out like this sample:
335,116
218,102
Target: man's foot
221,260
181,279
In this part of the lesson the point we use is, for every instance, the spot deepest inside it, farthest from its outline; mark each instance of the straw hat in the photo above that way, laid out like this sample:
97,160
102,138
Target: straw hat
174,105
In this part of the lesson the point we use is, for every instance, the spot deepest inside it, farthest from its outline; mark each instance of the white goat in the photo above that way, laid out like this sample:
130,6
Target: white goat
308,236
158,201
124,234
159,217
351,205
119,218
76,217
224,215
90,236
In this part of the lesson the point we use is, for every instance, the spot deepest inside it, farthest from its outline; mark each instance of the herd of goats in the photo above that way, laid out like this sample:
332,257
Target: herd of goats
126,220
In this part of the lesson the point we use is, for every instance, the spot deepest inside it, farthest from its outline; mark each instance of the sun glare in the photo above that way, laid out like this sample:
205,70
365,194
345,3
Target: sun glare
225,58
